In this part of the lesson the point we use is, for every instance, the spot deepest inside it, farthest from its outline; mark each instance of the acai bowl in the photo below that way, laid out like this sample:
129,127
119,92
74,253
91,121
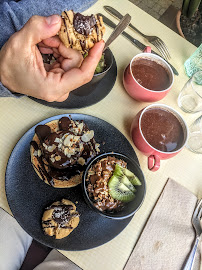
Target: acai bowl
113,185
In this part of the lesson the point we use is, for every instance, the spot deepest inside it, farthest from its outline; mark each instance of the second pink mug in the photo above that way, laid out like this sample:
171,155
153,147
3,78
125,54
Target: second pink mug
139,92
149,126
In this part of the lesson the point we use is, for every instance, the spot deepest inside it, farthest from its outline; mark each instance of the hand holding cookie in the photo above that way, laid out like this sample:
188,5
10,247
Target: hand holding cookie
22,69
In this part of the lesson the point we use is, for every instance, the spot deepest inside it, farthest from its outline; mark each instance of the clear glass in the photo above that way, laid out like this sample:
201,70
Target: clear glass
194,142
190,97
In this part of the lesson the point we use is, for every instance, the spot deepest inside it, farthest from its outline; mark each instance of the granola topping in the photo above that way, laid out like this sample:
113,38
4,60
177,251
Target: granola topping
97,184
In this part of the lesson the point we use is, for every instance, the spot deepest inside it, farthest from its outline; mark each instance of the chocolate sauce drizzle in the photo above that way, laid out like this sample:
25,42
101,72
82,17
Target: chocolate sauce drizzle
66,167
70,41
61,215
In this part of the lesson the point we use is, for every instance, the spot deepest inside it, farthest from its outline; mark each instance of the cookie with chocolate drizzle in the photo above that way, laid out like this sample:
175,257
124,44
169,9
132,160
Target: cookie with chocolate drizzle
81,32
60,219
60,150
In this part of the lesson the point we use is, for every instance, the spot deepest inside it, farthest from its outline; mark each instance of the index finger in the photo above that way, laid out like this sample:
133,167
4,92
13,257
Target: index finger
77,77
53,42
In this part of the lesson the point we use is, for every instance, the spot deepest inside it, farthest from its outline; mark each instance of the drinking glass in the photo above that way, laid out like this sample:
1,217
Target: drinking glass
194,142
190,97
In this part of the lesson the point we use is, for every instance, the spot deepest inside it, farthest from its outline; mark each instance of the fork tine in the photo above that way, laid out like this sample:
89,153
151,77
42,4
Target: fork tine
159,48
198,207
200,202
198,230
162,47
200,213
165,47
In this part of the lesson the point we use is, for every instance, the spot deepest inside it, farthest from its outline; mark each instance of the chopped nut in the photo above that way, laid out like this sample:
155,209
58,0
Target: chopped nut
39,153
91,173
57,158
51,148
86,137
60,146
52,160
67,141
81,147
45,146
80,126
81,161
57,140
97,145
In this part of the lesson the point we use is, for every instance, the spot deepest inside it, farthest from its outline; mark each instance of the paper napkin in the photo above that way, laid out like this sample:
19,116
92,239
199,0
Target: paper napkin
167,238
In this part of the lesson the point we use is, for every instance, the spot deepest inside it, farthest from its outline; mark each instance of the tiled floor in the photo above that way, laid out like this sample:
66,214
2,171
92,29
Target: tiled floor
157,8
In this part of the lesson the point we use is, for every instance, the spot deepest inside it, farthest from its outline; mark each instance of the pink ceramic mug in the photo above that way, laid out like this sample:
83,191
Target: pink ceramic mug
136,90
155,155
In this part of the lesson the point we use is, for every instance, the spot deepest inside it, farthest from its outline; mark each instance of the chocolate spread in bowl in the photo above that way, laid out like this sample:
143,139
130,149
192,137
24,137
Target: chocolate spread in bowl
162,129
97,184
63,152
150,74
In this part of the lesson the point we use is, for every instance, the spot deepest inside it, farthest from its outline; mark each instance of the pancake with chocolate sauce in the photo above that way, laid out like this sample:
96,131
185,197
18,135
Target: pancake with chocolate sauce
60,219
60,150
81,32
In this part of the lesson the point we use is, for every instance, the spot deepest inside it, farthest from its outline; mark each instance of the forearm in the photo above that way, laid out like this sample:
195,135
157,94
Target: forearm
15,14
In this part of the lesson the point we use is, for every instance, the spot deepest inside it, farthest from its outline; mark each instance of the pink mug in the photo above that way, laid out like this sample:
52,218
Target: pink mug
139,92
141,125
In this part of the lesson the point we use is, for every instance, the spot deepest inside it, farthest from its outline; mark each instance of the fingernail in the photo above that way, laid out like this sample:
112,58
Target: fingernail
54,19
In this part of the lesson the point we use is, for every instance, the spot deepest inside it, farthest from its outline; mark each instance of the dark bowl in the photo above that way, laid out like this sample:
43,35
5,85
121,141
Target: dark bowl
108,56
89,87
129,208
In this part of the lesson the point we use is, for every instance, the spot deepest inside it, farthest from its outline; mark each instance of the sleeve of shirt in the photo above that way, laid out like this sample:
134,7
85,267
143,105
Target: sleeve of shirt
15,14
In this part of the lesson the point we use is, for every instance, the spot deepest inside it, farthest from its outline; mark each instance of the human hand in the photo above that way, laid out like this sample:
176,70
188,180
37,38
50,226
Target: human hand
66,58
22,69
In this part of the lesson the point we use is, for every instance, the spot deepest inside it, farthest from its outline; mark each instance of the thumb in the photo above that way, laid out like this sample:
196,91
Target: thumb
39,28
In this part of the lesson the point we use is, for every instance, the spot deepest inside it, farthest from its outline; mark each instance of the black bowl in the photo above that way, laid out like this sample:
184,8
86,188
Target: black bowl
131,207
108,64
89,87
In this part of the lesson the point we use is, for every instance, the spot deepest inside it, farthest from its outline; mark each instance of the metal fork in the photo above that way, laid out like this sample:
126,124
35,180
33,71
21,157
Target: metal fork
197,215
156,41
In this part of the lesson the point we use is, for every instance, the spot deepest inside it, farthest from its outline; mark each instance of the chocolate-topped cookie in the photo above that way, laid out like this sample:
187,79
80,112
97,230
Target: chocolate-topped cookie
81,32
60,150
60,219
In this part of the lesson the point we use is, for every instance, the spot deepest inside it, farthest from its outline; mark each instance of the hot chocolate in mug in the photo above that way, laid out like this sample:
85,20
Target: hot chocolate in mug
159,132
148,77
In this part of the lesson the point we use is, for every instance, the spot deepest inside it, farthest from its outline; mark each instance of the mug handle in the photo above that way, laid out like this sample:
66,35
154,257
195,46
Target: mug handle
153,163
147,49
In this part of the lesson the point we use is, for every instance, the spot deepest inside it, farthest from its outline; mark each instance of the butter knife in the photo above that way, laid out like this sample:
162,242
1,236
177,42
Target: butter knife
124,22
134,41
117,15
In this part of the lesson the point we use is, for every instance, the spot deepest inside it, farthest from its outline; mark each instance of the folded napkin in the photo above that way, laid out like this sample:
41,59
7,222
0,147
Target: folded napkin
167,238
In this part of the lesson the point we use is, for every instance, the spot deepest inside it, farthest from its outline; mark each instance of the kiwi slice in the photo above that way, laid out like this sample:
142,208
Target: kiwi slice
132,177
124,179
119,191
120,171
